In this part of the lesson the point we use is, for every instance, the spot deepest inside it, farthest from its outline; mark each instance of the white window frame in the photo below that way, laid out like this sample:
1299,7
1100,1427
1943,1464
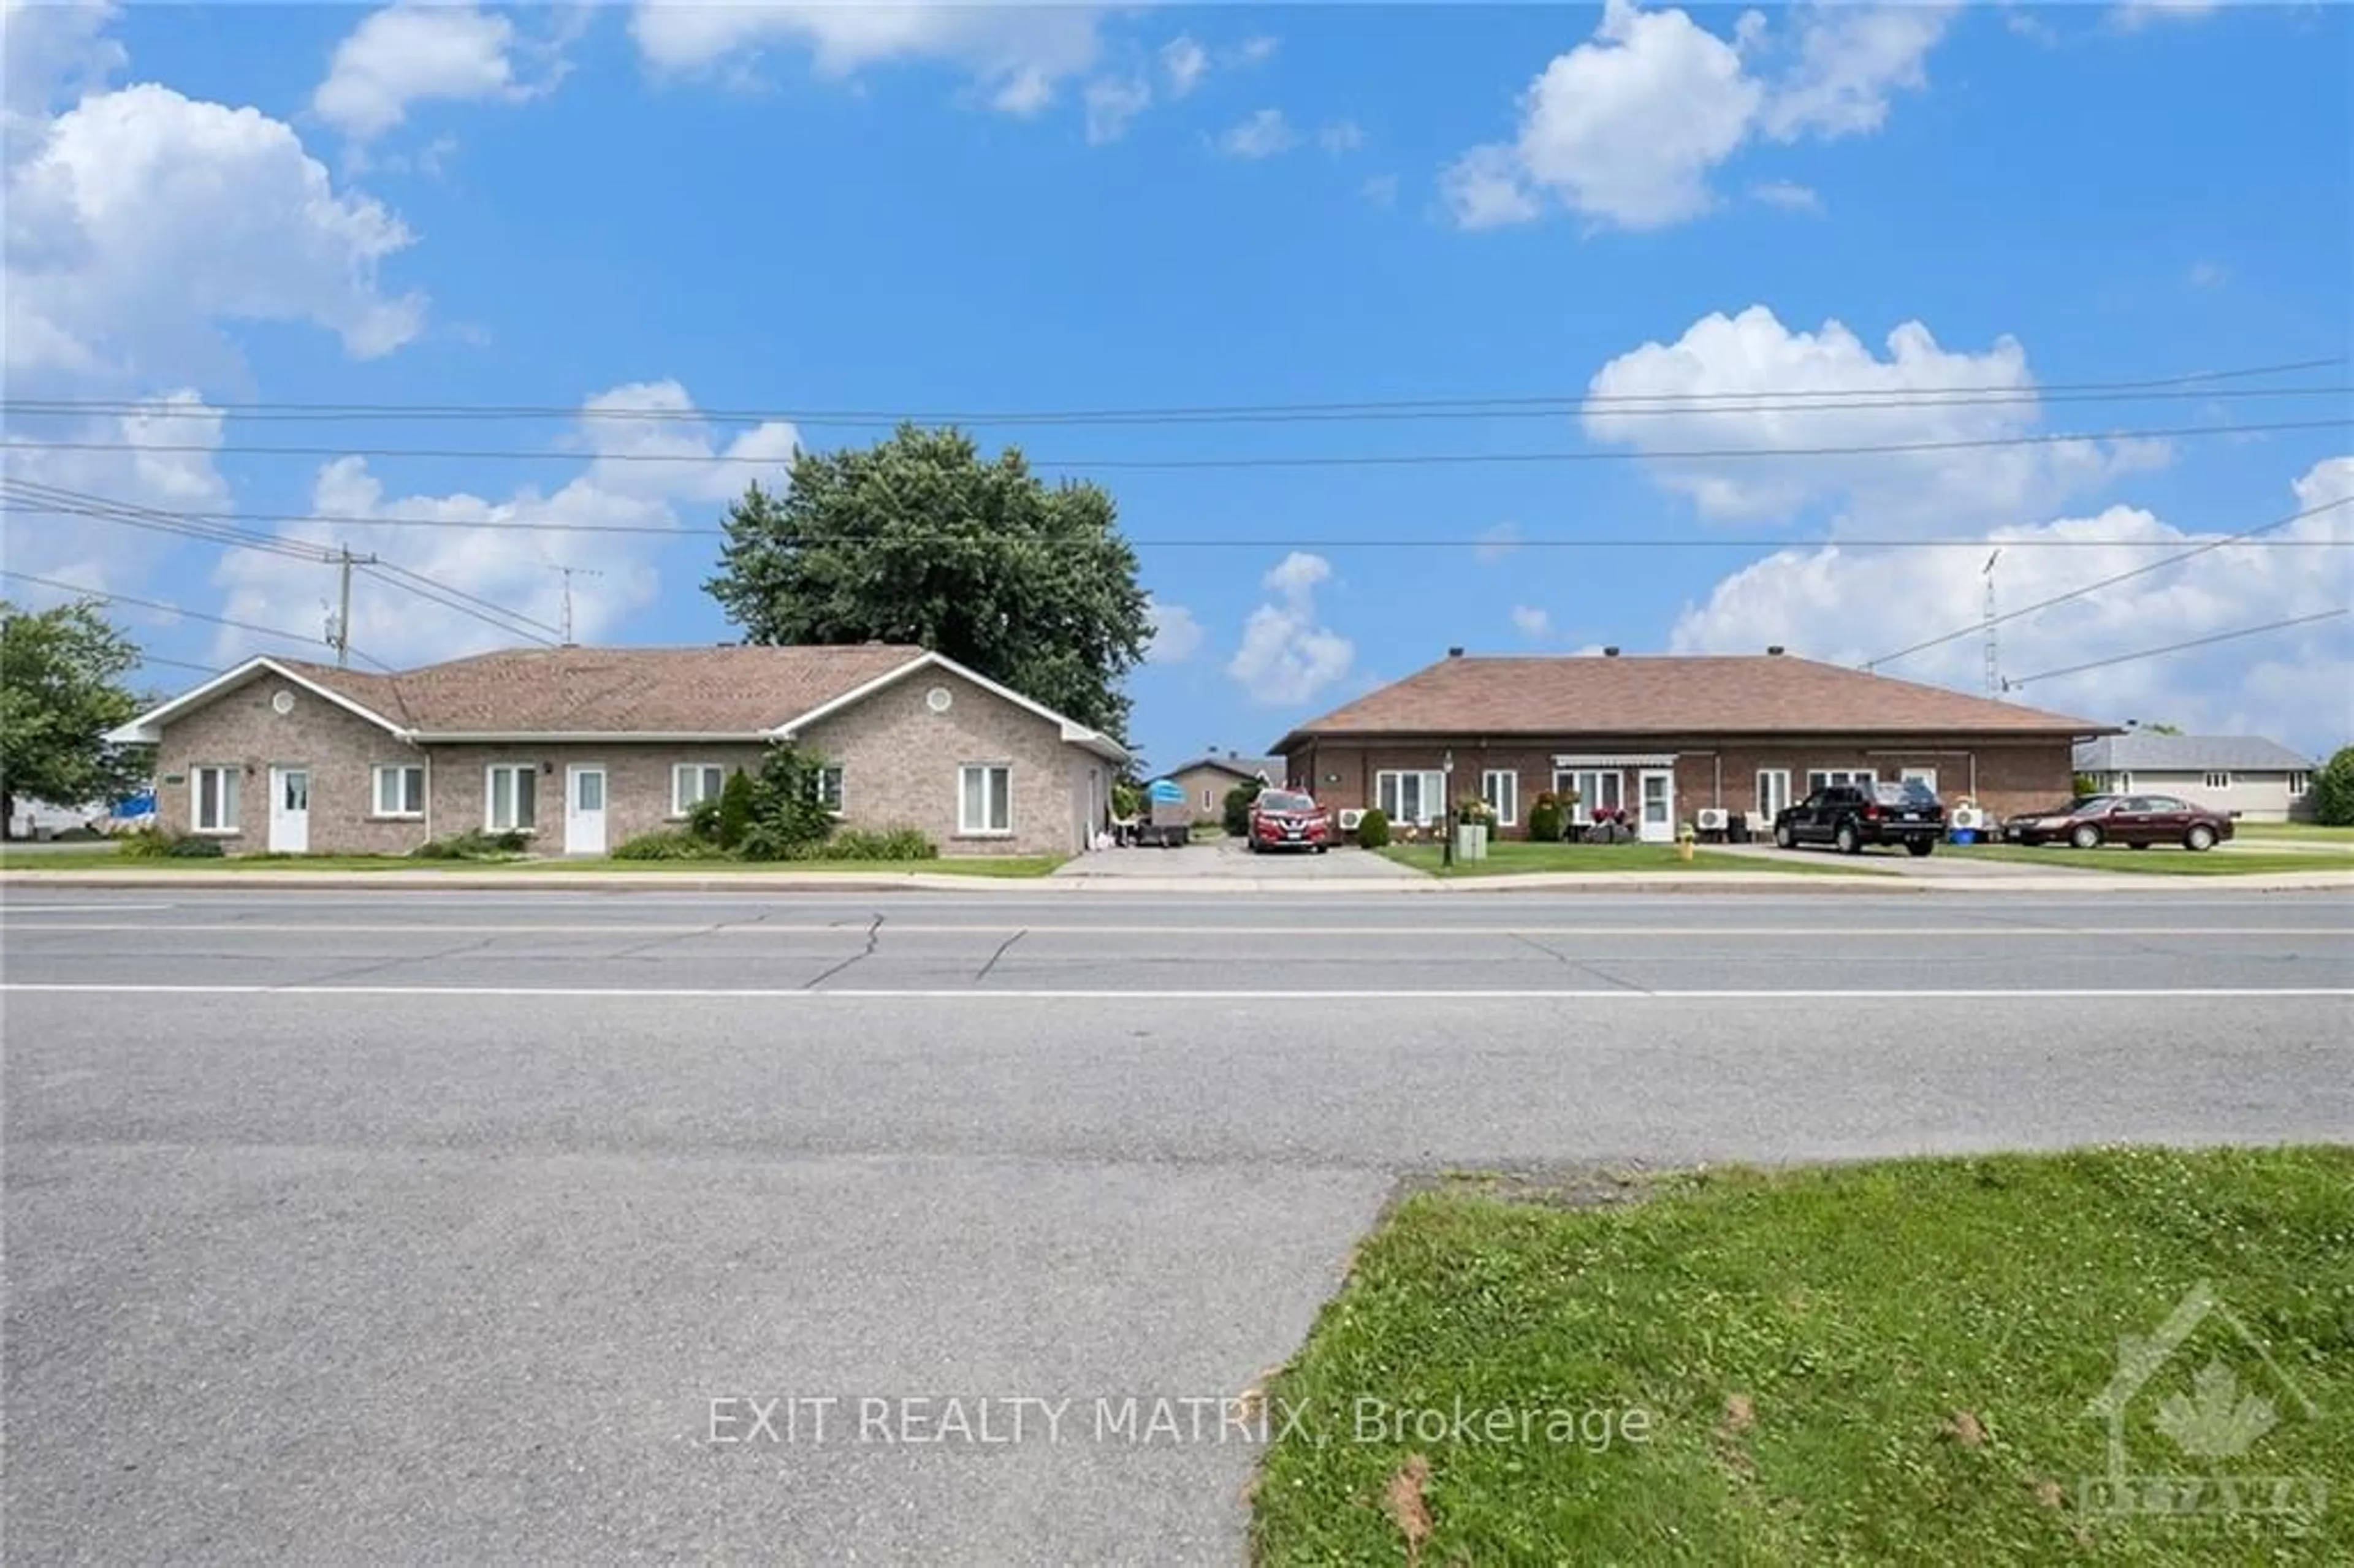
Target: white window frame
1832,778
228,775
1500,788
397,810
1430,792
698,773
491,824
1209,798
1768,810
2216,781
2299,783
1585,783
997,799
829,785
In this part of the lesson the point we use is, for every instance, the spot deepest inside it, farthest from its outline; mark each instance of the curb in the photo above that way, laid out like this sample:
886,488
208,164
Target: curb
1604,883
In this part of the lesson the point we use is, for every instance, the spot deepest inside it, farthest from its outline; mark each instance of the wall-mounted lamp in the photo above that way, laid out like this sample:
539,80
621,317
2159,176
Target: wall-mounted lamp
548,767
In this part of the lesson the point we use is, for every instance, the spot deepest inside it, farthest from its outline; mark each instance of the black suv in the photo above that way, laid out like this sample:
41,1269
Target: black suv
1853,815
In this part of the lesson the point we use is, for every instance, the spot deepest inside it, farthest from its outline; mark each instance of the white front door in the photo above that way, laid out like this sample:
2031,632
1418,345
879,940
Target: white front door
584,809
290,811
1659,797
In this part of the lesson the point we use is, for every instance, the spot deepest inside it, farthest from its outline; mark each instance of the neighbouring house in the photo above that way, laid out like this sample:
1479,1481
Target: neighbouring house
2243,775
1207,779
586,747
1662,738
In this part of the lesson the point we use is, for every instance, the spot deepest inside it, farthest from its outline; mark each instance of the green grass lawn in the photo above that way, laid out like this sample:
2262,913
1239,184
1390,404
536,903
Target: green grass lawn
1884,1363
2298,832
2162,860
109,859
1510,857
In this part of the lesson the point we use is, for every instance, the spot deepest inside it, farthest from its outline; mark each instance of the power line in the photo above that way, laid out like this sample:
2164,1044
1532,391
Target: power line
2192,384
105,598
2110,581
57,500
242,539
147,658
2177,646
1625,406
1358,460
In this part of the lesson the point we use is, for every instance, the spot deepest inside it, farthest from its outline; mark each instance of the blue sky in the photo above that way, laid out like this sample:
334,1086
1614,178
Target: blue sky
796,210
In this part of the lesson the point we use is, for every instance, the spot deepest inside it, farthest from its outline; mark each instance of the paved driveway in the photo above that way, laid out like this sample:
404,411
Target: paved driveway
1227,858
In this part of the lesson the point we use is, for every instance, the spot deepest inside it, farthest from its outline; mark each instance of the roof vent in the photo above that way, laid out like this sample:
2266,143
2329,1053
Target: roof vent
1455,652
1773,650
1611,651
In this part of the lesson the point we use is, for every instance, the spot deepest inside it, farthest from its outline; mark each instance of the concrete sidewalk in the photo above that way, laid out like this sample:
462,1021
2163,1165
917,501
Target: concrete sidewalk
933,882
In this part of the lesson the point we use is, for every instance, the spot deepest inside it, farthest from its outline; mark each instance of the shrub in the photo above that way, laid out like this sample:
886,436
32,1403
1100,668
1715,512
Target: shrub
673,844
787,819
1238,805
894,843
154,843
473,845
734,817
2333,790
1373,829
2082,784
1546,821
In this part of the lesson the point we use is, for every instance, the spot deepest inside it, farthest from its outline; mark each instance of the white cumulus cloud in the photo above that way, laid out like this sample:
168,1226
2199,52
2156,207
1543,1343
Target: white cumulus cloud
1177,636
1748,384
1263,134
1286,655
1849,604
409,52
1017,55
1532,622
634,472
1626,129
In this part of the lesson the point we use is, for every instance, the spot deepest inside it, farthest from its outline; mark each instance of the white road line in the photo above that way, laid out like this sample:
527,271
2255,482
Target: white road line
857,926
11,910
749,993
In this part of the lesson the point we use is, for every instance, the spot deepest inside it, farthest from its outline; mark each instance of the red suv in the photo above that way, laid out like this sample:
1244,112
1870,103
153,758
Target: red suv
1288,819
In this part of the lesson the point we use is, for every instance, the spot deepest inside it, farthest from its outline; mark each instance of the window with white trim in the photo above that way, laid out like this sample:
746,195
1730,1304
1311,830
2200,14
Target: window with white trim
1418,796
1827,778
1209,799
1592,789
2299,783
1773,792
693,783
399,790
985,798
2218,782
829,786
212,800
510,797
1500,788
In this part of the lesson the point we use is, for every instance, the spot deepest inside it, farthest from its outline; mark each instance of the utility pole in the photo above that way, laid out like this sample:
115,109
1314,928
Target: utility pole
569,573
1993,653
344,562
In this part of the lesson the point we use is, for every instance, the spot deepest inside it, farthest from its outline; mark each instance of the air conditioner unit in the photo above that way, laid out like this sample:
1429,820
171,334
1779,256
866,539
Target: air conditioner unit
1711,818
1350,818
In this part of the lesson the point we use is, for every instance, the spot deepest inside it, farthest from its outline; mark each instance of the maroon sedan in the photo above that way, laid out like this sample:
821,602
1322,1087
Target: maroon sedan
1288,819
2088,822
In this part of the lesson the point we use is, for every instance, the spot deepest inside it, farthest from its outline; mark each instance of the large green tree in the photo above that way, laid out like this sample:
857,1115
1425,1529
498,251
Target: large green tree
2333,790
920,539
60,690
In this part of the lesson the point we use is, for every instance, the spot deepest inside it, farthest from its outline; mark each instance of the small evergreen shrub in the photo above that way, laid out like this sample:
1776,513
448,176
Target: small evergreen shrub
734,818
473,845
191,847
667,845
891,843
1545,822
1236,814
1373,829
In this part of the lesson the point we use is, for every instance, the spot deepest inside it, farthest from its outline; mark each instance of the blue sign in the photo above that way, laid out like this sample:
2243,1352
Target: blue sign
1165,791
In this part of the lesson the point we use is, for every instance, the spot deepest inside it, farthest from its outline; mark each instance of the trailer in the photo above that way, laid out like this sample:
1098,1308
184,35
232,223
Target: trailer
1168,819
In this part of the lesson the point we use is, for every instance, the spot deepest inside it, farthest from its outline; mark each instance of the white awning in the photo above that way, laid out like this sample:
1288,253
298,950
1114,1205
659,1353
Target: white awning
1627,759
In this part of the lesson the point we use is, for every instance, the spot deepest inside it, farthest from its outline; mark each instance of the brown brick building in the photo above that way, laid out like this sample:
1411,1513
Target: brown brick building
585,748
1664,738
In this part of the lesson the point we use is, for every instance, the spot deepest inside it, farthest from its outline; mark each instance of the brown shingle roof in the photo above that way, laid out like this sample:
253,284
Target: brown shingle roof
615,691
1671,694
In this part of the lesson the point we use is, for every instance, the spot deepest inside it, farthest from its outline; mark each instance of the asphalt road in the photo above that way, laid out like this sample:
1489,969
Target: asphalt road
427,1226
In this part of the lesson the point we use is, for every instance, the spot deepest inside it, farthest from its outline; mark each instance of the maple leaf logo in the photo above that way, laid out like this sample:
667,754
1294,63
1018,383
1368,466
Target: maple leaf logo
2216,1420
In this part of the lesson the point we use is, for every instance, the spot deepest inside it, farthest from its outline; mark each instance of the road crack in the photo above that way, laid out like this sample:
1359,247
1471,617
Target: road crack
874,935
1002,949
1579,965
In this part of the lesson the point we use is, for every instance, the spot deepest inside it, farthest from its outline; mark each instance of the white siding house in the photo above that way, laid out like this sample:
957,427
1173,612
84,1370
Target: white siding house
2247,777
